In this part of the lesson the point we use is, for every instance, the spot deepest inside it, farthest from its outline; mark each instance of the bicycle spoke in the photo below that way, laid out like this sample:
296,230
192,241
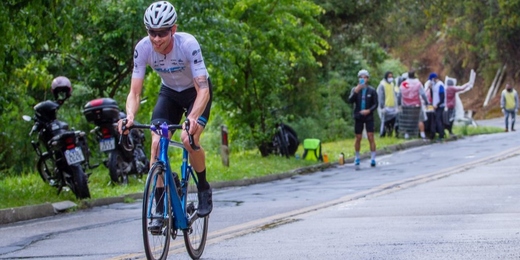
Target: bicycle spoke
156,237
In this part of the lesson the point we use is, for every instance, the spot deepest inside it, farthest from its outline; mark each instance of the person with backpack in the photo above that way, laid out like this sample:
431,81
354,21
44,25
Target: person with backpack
364,98
509,105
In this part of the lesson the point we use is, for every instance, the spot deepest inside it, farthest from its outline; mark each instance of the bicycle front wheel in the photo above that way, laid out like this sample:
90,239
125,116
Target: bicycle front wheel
156,237
196,234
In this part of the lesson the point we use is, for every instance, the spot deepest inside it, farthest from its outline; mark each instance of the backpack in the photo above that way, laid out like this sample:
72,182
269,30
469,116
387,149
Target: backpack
312,150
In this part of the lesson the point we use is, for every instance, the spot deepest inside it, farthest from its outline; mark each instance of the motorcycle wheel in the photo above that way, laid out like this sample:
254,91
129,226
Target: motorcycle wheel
116,165
139,171
79,182
45,167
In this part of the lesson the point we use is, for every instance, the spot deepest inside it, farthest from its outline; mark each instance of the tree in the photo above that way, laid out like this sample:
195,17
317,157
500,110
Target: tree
32,30
267,41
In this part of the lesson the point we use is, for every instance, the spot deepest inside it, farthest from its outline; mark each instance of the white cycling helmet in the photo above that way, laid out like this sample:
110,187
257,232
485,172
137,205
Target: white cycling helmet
160,15
363,73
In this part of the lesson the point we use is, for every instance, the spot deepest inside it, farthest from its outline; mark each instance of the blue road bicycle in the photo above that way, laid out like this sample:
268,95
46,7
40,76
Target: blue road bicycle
179,198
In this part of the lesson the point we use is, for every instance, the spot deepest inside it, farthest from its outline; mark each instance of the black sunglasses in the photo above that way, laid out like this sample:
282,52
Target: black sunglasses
161,34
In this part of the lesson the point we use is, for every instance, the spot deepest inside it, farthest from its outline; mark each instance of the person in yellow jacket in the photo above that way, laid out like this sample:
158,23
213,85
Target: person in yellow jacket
509,105
388,107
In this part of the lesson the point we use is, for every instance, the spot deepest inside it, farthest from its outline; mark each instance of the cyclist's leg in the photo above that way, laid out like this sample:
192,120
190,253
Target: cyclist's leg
198,158
358,130
369,126
165,110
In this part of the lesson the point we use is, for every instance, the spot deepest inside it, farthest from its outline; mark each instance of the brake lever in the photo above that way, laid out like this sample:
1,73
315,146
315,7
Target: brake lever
190,137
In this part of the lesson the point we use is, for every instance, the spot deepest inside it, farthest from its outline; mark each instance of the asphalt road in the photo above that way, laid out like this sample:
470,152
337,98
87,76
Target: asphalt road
453,200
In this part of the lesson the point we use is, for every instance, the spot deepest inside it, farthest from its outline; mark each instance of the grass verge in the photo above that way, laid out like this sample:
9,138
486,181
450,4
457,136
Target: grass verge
29,189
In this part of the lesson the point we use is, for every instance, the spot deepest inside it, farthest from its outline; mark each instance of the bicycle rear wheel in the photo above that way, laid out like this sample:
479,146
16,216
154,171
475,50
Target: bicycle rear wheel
196,234
156,244
284,146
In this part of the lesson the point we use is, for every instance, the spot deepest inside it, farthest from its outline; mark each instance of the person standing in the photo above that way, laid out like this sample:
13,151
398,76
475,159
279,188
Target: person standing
387,98
438,97
185,90
364,98
410,93
509,105
451,94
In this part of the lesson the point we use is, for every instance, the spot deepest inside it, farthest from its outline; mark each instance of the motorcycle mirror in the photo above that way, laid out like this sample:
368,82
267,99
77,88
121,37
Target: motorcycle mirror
27,118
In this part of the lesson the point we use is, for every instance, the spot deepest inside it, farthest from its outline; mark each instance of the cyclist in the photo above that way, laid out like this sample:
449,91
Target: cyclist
185,86
364,98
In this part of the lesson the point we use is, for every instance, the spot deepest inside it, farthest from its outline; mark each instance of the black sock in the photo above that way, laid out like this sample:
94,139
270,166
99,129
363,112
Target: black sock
159,199
203,184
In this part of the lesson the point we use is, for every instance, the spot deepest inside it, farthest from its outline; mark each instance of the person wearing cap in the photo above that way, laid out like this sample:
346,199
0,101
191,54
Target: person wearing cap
388,108
185,90
364,98
509,105
451,94
438,103
410,93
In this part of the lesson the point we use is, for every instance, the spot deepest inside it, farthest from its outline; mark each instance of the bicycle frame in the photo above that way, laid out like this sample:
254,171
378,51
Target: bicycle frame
178,210
177,203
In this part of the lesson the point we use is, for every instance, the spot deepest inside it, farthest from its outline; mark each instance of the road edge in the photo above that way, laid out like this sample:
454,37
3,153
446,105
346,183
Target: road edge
18,214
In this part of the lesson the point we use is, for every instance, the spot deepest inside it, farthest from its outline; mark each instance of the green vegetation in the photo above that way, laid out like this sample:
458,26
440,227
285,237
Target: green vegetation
29,189
261,55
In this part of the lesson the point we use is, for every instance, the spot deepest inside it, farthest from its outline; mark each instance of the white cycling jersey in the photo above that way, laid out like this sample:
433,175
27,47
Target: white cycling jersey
177,68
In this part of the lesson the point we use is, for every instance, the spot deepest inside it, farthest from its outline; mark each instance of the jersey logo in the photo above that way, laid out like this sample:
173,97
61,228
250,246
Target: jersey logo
136,54
169,70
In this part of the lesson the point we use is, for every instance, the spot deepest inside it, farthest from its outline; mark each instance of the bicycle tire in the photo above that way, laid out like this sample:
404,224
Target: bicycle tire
284,146
196,234
292,138
155,246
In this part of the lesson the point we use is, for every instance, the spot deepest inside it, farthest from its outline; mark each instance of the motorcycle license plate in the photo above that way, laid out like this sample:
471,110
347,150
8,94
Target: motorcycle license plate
107,144
74,156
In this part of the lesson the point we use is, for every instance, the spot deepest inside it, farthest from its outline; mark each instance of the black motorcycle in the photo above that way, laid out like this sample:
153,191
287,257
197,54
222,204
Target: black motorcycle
62,153
121,162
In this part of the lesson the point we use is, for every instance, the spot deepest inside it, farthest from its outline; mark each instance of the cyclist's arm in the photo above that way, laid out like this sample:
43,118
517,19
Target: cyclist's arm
133,99
202,87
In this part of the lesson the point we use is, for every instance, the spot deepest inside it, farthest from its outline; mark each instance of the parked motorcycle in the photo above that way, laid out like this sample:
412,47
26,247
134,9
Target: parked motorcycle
120,161
62,153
